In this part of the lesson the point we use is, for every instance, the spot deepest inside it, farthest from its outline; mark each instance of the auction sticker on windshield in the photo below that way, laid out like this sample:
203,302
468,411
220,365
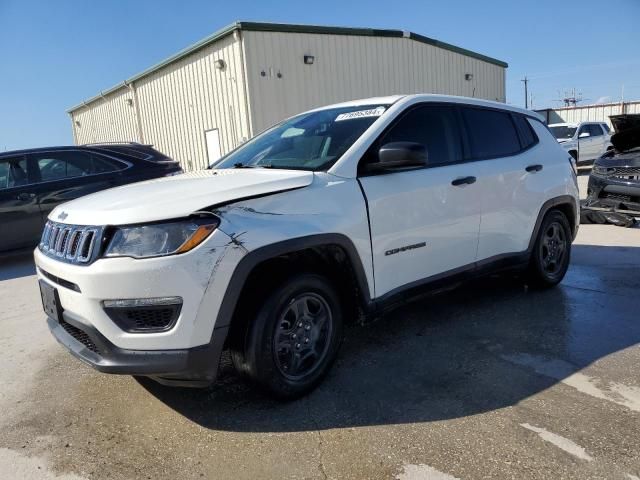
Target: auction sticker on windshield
372,112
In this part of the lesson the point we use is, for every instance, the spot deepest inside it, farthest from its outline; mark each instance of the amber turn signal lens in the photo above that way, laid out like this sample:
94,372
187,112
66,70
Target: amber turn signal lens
197,238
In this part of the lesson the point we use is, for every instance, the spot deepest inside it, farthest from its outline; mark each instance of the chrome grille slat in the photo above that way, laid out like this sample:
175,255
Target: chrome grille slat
70,243
44,243
73,244
52,239
61,244
86,242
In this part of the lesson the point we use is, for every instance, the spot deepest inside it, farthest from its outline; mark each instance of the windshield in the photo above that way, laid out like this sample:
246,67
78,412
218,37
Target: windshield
311,141
562,132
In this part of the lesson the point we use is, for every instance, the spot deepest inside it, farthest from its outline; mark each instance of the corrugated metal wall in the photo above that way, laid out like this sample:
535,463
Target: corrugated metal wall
172,107
350,67
177,104
588,113
111,118
186,98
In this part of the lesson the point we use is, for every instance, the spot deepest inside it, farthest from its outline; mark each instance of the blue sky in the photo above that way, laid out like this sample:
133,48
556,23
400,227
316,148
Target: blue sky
54,54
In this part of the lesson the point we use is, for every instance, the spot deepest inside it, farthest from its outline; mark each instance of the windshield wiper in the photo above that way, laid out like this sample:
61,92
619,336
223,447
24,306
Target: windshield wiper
259,165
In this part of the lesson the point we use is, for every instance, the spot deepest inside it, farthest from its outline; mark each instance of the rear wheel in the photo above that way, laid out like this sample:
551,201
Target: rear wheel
294,338
551,252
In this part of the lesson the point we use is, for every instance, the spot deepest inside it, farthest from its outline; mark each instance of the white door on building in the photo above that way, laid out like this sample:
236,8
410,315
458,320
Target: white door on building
212,137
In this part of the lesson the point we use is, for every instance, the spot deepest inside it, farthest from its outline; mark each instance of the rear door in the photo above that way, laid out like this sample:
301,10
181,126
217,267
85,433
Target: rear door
68,174
421,224
510,179
20,221
599,139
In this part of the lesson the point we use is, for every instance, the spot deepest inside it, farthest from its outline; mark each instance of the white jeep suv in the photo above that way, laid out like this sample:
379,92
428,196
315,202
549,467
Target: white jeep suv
584,141
326,218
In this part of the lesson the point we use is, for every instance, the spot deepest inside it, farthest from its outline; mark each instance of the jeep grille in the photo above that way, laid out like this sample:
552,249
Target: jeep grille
71,243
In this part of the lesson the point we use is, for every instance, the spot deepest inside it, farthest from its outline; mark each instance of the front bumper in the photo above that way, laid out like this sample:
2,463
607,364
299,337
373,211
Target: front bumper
186,353
196,366
614,193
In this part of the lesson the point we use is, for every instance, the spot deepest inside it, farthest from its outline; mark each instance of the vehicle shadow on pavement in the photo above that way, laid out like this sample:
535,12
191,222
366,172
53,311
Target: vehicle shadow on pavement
462,353
16,265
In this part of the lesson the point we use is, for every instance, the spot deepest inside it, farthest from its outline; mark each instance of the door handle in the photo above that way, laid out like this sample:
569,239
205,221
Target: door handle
463,181
534,168
26,196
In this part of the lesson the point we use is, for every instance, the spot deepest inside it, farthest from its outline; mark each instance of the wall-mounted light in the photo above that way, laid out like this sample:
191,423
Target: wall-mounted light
220,64
77,123
468,76
309,59
129,101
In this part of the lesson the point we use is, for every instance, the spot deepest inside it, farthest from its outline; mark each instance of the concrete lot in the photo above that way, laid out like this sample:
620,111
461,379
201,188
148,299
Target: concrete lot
490,381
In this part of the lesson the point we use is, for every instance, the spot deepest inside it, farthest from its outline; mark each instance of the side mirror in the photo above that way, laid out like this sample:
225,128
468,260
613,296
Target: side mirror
584,135
400,155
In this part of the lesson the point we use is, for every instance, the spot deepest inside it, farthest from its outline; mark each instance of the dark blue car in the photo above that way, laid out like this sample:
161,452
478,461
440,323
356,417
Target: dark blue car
33,182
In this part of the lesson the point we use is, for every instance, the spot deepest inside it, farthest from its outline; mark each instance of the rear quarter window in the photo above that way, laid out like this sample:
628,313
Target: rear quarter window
527,136
491,133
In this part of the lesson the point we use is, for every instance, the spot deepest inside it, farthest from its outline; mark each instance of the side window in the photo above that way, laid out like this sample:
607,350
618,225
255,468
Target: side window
434,126
527,136
606,127
13,172
100,164
491,133
584,129
595,130
69,164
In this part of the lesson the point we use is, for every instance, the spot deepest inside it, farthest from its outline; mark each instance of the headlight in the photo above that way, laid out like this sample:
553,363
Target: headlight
158,239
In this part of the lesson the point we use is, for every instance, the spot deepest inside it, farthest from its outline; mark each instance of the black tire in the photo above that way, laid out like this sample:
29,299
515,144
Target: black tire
276,352
551,252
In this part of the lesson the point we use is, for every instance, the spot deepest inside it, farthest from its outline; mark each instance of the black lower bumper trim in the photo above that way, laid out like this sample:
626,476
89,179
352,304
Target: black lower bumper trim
195,366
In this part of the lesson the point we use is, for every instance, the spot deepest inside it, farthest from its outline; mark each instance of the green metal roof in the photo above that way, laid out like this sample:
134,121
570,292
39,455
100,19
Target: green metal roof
286,27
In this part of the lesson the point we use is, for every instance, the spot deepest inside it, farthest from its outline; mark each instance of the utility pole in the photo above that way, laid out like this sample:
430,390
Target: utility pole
526,92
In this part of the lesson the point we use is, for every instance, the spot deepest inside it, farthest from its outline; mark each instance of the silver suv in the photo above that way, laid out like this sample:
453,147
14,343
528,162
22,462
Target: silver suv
584,141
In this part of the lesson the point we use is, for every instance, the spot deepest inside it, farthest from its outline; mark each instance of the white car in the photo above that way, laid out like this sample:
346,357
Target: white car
324,219
584,141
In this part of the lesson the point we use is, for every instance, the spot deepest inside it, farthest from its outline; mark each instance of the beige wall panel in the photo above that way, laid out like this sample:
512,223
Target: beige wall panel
350,67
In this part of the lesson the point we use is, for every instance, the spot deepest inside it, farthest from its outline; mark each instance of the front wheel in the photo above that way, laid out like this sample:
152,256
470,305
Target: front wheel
551,252
294,338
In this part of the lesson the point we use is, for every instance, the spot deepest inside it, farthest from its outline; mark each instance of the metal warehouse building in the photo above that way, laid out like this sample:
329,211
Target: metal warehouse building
209,98
589,113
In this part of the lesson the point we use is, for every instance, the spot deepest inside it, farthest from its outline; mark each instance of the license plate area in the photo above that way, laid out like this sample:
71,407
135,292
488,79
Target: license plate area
50,301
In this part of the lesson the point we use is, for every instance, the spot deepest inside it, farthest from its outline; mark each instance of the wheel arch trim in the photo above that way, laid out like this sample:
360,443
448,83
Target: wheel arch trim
550,204
255,257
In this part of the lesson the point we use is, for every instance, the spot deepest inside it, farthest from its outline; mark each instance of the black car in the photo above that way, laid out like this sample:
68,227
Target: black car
614,183
33,182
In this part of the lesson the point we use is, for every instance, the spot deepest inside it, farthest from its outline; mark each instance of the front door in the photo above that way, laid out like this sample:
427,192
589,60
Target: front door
422,224
20,221
589,142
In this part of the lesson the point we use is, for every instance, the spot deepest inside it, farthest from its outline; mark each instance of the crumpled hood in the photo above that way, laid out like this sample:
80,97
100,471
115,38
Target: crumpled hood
176,196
